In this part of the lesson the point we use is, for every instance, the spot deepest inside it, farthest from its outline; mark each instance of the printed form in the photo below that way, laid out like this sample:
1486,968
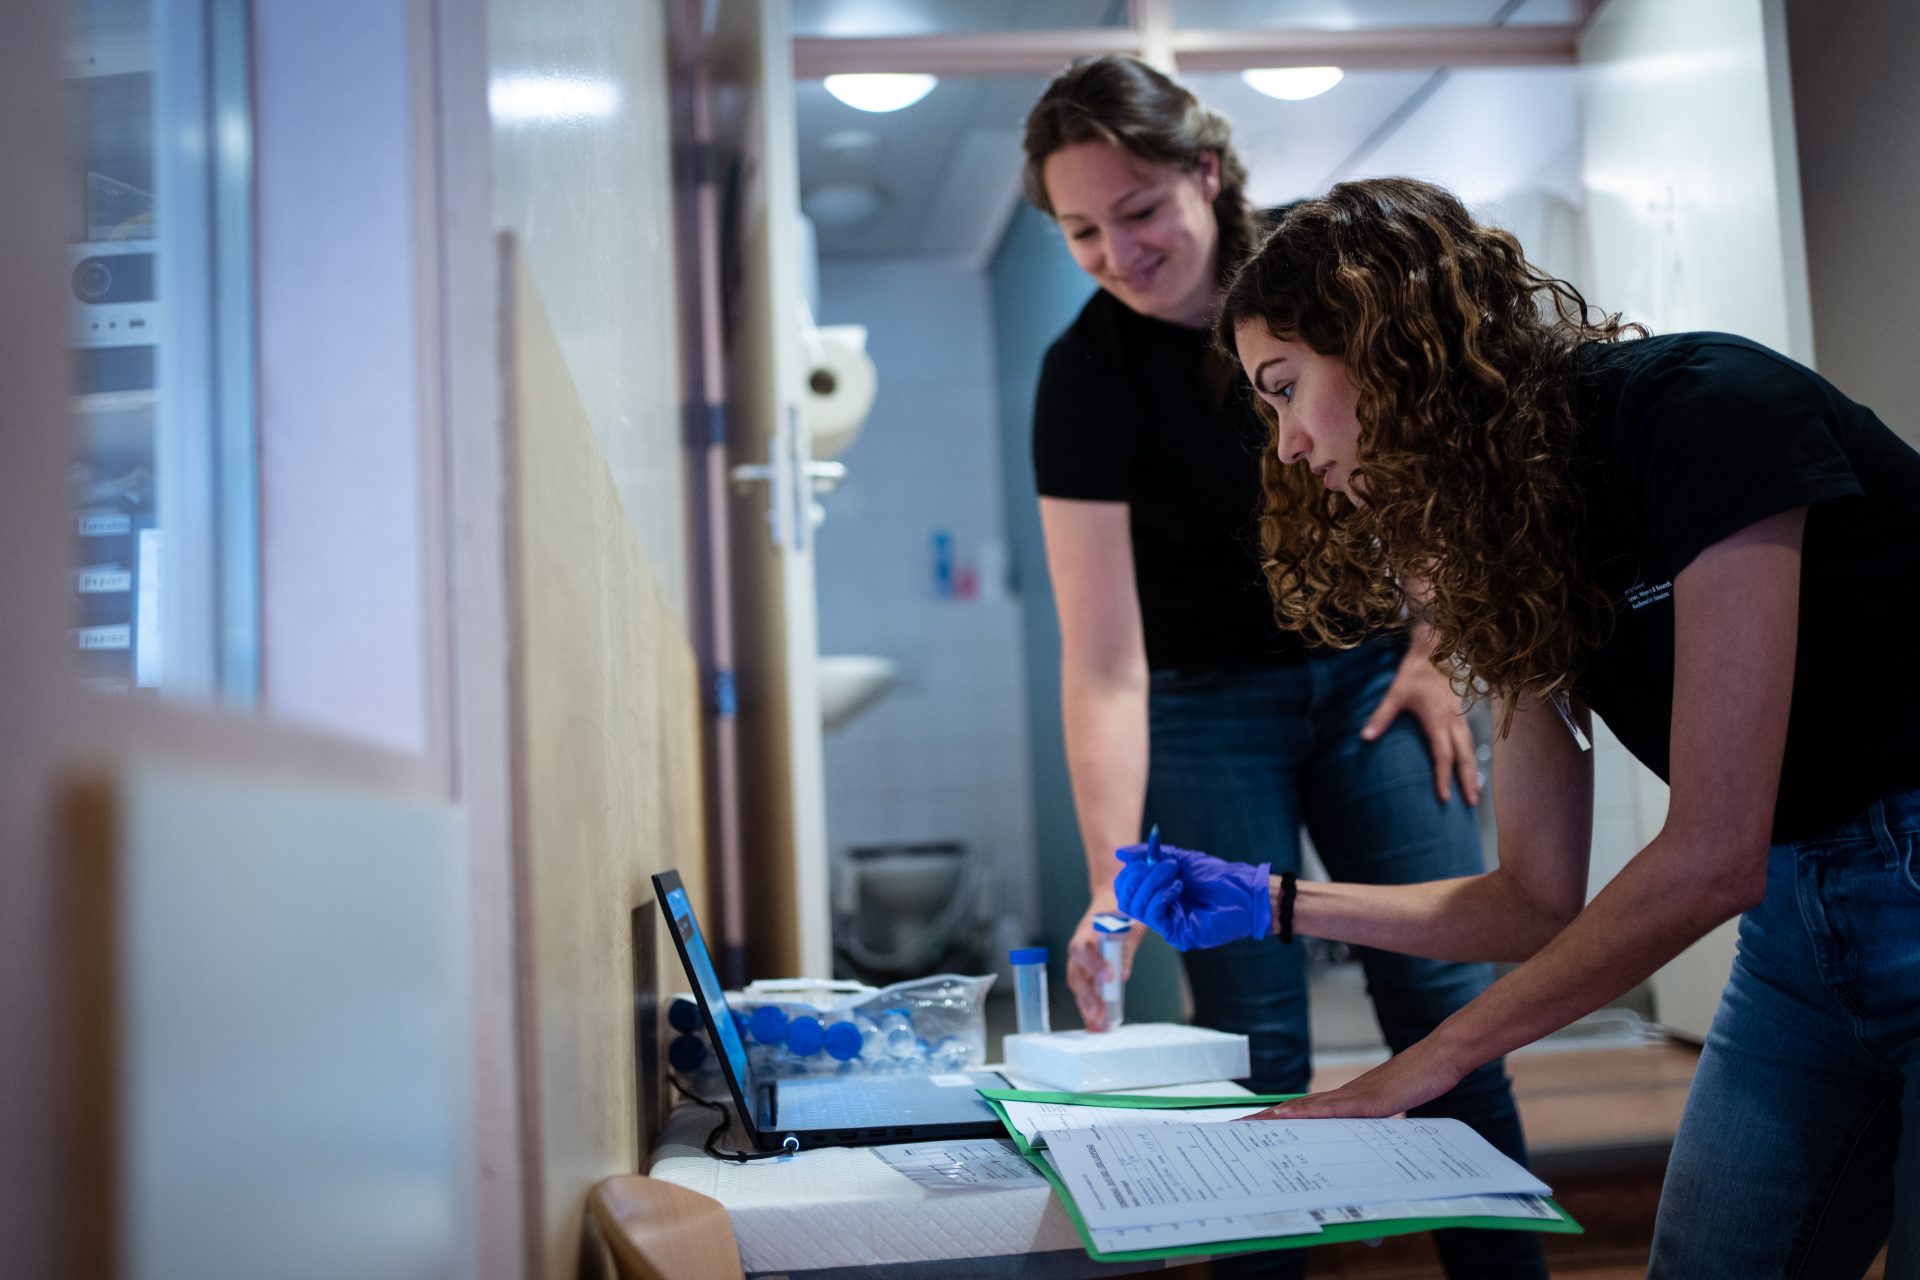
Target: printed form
1035,1120
1131,1176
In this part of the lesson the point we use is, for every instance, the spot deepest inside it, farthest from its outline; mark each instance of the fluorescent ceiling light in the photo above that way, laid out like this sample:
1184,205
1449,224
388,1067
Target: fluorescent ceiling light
1292,83
881,91
556,99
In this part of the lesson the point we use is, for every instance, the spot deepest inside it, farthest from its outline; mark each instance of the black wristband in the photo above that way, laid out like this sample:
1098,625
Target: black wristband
1288,887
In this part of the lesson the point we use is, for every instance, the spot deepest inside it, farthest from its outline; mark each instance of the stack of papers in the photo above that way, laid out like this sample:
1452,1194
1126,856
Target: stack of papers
1153,1177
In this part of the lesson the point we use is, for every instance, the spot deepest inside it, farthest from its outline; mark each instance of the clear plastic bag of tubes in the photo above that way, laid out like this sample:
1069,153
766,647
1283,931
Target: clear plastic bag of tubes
800,1028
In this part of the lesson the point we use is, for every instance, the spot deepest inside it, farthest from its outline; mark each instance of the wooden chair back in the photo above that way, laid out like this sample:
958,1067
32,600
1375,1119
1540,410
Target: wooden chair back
640,1228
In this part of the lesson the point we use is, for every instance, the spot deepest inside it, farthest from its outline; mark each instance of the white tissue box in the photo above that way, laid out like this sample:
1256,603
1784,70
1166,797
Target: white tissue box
1134,1055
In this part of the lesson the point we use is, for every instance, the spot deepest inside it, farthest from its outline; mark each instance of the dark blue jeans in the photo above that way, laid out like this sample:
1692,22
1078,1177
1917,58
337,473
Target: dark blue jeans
1240,760
1799,1153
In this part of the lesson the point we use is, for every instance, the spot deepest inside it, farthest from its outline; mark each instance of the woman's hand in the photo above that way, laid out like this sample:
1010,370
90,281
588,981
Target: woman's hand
1420,689
1194,899
1086,970
1418,1074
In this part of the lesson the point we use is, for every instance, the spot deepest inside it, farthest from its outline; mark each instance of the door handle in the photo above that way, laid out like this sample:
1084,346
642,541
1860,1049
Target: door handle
826,476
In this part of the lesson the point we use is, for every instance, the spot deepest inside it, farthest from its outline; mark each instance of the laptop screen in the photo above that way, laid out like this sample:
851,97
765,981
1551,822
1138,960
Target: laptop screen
693,948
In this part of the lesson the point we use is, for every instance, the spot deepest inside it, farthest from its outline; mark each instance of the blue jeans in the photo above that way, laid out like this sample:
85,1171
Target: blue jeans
1239,760
1799,1152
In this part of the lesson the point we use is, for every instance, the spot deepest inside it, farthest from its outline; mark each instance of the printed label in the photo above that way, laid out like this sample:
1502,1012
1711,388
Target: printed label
105,526
1640,595
95,582
118,636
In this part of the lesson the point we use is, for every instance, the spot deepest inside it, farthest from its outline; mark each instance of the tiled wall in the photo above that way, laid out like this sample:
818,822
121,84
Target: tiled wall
944,756
1036,293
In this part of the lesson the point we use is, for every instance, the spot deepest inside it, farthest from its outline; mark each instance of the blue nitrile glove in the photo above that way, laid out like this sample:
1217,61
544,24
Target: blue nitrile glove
1194,899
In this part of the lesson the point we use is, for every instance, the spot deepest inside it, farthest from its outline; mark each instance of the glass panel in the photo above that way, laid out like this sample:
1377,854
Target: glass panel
161,328
1355,15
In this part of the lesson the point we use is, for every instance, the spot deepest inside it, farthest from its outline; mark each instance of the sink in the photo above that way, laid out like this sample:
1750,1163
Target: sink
850,683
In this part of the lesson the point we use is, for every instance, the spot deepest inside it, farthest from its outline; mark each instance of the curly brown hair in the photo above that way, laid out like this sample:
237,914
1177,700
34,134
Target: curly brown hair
1118,99
1464,355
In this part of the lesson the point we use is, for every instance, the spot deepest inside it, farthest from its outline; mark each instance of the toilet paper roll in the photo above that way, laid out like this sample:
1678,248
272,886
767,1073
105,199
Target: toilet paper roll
840,386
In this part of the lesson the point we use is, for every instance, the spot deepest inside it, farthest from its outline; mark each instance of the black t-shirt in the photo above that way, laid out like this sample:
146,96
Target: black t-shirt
1694,436
1137,410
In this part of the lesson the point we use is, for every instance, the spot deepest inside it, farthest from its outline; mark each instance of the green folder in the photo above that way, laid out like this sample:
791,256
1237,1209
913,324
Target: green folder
1334,1234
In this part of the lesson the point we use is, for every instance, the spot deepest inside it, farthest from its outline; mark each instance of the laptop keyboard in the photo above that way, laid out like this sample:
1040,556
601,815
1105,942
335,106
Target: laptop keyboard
836,1106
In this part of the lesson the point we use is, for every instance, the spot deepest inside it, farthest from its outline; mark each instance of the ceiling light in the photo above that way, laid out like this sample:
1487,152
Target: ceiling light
853,147
1292,83
881,91
843,204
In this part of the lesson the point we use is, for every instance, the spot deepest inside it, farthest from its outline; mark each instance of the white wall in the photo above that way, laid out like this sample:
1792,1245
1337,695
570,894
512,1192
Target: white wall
945,755
582,168
1856,99
1694,223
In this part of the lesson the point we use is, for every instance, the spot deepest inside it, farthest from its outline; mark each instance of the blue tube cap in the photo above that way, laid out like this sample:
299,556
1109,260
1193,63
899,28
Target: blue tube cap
686,1053
843,1041
1027,955
769,1023
1107,922
683,1014
805,1036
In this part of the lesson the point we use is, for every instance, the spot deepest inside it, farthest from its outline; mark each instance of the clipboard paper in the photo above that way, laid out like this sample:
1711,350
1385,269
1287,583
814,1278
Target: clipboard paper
1329,1233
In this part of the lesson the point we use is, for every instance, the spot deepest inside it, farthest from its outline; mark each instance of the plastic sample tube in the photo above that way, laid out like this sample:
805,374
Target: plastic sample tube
1112,931
896,1025
1030,990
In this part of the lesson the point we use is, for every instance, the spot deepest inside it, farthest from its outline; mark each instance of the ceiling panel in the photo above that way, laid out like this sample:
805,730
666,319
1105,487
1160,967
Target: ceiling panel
947,168
1357,15
943,166
1290,148
930,17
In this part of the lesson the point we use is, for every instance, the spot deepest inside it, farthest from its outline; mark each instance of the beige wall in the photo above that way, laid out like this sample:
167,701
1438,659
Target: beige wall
587,190
1856,97
606,734
606,783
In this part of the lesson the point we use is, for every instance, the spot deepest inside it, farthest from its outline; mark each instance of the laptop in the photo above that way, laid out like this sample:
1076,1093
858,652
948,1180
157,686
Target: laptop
822,1111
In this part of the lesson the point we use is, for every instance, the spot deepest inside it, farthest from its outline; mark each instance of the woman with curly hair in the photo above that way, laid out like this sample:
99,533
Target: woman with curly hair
1183,704
1713,549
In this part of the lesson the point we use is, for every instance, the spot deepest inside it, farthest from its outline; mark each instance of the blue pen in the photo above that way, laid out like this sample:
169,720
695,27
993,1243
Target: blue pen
1153,844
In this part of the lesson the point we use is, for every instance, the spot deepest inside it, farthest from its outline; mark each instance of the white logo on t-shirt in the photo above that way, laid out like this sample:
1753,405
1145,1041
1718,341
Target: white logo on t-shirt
1640,595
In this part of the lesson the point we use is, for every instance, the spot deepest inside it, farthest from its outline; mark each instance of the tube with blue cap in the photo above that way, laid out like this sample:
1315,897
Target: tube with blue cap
1112,931
1030,990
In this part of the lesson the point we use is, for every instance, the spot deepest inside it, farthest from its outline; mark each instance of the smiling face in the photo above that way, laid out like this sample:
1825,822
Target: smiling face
1146,232
1313,400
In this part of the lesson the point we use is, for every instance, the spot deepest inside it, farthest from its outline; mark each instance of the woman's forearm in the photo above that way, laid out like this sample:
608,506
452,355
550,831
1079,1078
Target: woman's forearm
1105,718
1483,917
1656,907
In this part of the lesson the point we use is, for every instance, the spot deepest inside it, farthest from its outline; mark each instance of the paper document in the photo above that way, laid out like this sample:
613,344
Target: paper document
1261,1226
1035,1120
988,1165
1131,1175
1456,1207
1203,1230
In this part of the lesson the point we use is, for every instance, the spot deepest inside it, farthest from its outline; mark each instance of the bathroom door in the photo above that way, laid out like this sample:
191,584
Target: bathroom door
771,513
1693,218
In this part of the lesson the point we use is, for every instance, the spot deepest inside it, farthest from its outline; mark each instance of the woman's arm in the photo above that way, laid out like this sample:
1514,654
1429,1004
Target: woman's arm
1736,612
1103,702
1543,804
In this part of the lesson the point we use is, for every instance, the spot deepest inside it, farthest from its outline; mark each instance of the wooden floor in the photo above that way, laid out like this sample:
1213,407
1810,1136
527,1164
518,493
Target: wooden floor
1598,1122
1590,1110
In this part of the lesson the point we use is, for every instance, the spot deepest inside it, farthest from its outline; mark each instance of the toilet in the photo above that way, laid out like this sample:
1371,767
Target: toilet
905,906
